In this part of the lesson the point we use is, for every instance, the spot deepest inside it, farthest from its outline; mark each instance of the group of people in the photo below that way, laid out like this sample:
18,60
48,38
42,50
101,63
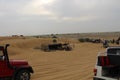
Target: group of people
106,43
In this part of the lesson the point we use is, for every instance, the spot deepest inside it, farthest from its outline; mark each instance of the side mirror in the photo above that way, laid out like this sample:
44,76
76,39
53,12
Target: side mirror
7,45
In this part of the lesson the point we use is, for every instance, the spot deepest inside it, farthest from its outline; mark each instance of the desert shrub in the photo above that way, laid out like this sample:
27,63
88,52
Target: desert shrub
84,40
54,41
81,40
37,36
87,40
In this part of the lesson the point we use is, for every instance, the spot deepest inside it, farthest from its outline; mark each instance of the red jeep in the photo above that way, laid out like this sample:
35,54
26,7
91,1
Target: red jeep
13,69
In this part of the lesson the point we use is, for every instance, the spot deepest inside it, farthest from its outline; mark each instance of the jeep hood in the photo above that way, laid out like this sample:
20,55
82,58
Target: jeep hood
18,62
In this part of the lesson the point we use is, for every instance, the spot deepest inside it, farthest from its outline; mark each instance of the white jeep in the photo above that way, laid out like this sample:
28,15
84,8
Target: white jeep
108,65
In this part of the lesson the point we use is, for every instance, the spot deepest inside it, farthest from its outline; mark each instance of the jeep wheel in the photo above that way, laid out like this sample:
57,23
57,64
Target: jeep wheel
23,75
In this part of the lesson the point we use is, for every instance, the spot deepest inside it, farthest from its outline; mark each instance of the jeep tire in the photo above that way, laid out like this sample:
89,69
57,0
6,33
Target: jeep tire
23,75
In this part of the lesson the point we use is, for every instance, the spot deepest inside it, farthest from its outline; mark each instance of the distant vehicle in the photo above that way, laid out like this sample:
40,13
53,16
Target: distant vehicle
96,41
13,69
56,46
108,65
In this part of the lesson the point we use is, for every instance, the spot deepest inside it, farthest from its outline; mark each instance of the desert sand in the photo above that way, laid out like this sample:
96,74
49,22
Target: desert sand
77,64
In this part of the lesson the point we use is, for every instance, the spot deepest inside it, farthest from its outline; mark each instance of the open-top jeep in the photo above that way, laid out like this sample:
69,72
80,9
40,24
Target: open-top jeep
13,69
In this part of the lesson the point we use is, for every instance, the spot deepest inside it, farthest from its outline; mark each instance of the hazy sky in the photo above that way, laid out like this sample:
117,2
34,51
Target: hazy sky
33,17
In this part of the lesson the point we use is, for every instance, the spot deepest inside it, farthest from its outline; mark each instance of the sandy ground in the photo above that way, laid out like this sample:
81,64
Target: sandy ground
77,64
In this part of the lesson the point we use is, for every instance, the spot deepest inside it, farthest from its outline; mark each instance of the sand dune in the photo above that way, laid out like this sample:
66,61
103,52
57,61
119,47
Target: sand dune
56,65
